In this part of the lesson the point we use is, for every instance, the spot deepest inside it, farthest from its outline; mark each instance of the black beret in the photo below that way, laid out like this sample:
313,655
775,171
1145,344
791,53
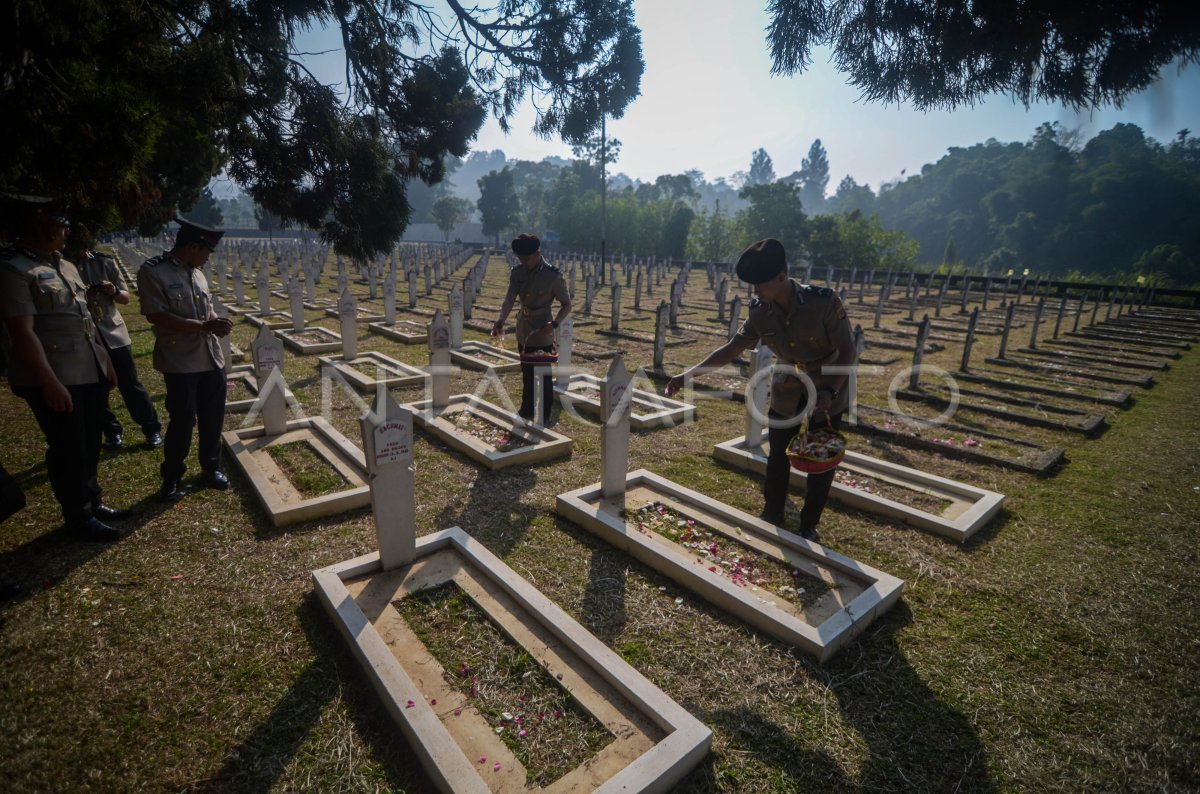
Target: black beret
762,261
526,244
191,232
29,208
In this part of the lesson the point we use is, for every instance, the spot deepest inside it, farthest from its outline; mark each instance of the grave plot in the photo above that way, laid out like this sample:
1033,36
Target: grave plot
1133,340
638,739
388,372
365,314
1061,389
406,331
945,507
273,319
1145,330
488,434
1097,348
1047,415
774,580
1052,368
242,391
300,469
957,441
481,356
649,410
493,686
308,471
313,339
1085,360
794,590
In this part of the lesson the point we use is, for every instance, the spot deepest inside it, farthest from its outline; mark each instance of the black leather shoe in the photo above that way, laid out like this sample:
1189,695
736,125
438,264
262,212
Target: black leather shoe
95,531
106,513
153,440
216,480
810,533
170,491
113,443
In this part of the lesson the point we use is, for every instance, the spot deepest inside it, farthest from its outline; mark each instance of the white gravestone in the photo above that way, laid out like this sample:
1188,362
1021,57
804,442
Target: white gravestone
348,314
264,293
239,288
735,315
758,394
566,334
661,320
439,361
267,353
615,406
296,297
616,308
389,302
225,342
456,318
388,446
412,289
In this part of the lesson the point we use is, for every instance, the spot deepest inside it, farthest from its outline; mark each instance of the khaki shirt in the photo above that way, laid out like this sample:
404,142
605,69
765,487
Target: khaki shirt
97,268
50,289
536,289
808,336
167,285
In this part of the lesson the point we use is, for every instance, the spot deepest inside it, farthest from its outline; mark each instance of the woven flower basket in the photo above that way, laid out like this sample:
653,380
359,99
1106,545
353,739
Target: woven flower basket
817,451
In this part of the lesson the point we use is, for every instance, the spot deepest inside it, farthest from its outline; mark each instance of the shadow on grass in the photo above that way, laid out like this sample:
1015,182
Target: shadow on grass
495,513
914,741
603,611
258,763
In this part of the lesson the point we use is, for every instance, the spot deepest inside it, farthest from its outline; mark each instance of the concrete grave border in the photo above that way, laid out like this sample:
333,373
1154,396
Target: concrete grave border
465,356
274,320
970,512
245,375
662,411
335,449
405,374
306,348
389,331
363,315
587,508
548,443
571,654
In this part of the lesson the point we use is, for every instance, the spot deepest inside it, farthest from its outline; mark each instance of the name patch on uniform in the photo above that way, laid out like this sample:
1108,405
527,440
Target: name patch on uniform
175,286
45,276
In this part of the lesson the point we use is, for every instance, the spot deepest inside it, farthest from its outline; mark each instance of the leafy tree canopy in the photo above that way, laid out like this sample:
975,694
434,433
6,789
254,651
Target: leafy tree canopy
498,204
128,108
945,54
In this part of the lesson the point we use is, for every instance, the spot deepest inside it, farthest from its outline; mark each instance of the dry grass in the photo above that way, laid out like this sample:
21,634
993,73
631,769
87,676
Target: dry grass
1055,651
310,474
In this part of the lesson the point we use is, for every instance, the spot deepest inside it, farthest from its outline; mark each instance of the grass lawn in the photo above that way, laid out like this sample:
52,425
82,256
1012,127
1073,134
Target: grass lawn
1055,651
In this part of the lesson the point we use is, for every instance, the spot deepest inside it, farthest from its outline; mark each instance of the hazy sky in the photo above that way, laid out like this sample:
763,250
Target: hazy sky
708,101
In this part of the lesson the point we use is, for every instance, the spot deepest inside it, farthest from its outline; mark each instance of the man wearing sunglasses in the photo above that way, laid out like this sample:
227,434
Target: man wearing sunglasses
175,299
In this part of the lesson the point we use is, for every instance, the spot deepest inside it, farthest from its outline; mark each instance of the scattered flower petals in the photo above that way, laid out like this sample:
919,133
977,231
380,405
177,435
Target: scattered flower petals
433,702
176,577
457,712
483,759
496,767
410,705
523,733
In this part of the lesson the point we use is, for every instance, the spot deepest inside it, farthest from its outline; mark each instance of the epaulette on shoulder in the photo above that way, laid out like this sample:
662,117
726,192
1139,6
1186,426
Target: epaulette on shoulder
754,304
155,261
552,268
811,289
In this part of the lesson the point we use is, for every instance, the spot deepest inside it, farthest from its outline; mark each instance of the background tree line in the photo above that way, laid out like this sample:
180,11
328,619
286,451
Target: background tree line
1120,203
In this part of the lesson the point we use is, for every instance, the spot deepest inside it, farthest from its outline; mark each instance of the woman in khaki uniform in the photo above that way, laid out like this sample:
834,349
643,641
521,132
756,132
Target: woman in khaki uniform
805,327
537,285
57,362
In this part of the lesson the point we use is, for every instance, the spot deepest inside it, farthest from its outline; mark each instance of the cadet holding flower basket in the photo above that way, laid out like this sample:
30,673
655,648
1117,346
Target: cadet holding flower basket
537,285
807,329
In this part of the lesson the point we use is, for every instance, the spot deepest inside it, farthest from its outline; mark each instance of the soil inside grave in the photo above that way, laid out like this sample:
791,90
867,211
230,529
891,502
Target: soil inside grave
538,720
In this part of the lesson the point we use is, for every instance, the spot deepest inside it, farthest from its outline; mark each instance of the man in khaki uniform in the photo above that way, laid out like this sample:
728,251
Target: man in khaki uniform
805,327
107,288
175,299
537,285
57,362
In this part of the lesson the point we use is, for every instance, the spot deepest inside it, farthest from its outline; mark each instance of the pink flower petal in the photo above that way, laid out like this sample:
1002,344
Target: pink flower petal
433,702
457,712
483,759
410,705
495,767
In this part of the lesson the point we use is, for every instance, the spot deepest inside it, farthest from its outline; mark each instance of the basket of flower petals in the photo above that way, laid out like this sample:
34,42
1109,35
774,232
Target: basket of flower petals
539,356
817,451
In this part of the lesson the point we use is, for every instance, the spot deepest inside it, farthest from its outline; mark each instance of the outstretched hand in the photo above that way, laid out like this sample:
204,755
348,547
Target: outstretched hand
674,385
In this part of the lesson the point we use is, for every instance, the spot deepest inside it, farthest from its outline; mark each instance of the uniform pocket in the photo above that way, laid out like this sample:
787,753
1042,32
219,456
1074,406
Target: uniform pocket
47,294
